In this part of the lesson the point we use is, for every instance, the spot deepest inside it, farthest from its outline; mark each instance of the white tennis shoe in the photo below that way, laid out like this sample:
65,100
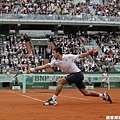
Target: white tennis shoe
107,97
51,102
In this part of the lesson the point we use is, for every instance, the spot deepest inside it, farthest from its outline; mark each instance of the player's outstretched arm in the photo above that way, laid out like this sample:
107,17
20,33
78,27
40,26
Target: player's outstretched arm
91,52
38,68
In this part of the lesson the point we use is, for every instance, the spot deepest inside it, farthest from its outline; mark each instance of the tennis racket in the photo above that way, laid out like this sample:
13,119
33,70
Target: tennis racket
17,73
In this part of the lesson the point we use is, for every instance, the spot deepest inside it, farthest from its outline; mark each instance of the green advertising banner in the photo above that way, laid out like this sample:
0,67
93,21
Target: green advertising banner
46,78
43,81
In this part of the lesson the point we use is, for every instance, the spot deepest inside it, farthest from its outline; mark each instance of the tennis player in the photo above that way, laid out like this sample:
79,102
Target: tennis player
66,64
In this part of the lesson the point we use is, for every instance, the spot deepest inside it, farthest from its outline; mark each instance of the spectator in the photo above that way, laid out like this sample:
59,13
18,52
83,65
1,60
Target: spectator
89,81
15,81
105,80
8,72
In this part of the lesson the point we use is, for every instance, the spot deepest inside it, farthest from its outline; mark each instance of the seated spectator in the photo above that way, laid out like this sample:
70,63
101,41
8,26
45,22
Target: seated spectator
89,81
15,81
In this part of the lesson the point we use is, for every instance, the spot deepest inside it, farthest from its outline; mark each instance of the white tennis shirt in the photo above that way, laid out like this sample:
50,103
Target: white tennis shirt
66,64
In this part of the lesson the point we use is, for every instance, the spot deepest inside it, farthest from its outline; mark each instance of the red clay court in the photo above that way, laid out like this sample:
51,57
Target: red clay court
72,105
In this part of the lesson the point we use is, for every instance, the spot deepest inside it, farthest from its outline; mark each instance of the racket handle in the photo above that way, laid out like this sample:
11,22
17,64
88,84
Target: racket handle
32,69
24,72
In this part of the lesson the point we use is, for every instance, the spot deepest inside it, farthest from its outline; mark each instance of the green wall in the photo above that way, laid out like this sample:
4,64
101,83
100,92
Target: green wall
42,81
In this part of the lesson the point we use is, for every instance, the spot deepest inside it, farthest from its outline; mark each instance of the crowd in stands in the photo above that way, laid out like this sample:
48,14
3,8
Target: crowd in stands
72,45
109,8
43,7
104,60
60,7
110,50
15,56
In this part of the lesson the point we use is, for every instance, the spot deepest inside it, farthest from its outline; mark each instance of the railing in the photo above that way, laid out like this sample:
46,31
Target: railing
59,17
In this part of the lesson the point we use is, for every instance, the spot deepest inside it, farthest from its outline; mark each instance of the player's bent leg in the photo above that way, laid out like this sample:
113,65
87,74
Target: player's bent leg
61,82
53,101
105,95
85,92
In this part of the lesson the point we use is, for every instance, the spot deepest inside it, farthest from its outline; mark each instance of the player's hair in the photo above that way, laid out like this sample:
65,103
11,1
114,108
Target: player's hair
58,49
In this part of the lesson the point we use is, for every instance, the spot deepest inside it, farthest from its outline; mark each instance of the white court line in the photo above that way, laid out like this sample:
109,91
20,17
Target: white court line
68,96
74,97
45,93
65,96
27,96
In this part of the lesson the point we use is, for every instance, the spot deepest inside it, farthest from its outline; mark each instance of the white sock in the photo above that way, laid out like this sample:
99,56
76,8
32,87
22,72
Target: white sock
54,97
101,96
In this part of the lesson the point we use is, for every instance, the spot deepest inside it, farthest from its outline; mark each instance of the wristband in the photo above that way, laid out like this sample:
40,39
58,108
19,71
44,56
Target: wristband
32,69
91,52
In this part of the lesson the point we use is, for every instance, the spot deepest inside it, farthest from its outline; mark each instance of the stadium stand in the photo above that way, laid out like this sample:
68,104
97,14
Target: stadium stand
18,47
